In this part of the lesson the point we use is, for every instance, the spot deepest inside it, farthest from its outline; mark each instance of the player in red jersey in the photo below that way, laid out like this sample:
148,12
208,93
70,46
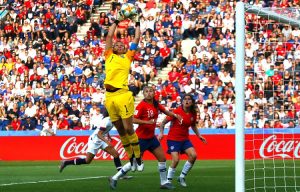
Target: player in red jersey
145,115
178,137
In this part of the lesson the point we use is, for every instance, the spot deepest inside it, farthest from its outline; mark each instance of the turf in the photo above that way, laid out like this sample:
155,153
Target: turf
39,176
206,176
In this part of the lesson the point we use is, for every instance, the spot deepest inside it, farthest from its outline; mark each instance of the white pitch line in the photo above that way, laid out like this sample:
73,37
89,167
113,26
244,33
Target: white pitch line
51,180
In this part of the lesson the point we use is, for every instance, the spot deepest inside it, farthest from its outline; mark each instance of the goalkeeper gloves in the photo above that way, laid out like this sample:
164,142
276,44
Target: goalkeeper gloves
120,16
136,19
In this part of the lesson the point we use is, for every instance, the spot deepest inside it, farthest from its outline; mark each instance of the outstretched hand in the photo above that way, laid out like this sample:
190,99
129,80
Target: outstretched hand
179,118
120,16
135,18
151,121
203,139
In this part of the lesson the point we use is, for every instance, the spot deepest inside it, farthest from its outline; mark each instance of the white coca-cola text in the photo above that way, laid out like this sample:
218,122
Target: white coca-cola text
72,149
280,148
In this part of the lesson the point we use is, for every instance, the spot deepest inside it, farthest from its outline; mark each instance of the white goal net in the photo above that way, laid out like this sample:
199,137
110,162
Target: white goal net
272,99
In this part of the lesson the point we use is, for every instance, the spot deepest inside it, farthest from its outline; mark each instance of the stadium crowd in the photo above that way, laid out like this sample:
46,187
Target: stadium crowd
50,79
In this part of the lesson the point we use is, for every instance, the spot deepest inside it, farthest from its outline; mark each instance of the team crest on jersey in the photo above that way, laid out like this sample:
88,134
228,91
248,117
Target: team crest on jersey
136,112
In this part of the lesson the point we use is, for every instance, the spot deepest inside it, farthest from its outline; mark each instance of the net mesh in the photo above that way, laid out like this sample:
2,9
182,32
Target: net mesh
272,97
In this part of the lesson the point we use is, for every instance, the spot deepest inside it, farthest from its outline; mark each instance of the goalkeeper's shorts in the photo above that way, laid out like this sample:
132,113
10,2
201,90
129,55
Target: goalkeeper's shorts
119,104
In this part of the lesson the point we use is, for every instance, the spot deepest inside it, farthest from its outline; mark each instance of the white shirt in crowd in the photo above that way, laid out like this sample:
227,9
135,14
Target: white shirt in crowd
98,97
30,111
42,71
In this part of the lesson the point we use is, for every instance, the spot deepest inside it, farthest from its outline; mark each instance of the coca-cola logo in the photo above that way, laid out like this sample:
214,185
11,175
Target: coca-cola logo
72,149
273,147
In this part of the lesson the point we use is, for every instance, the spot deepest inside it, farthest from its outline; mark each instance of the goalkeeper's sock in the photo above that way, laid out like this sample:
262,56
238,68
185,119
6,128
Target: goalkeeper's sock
118,163
79,161
134,142
122,171
162,172
186,168
127,146
171,173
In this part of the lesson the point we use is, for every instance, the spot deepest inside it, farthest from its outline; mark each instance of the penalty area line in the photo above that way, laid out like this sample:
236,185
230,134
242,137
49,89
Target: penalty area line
51,180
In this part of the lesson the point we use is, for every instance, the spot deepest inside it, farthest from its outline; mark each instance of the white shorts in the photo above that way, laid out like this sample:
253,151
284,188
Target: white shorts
94,144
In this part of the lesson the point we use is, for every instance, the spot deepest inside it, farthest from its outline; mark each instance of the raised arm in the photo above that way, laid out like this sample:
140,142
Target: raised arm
109,37
137,34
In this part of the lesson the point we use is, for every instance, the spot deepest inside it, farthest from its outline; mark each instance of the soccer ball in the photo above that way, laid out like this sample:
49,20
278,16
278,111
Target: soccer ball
128,10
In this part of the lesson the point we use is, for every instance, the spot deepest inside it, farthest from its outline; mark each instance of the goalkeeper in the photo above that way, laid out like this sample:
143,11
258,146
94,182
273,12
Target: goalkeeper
119,100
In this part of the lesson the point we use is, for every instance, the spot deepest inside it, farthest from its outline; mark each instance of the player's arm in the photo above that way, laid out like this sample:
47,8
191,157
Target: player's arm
103,132
162,127
102,137
140,121
135,42
196,131
171,114
111,32
137,34
137,116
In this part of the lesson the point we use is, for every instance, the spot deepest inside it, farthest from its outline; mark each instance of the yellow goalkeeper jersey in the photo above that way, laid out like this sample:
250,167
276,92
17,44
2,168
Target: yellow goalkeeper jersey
117,68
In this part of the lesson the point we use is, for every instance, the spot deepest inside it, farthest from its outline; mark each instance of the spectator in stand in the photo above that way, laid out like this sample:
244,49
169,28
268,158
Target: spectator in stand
39,48
62,123
29,124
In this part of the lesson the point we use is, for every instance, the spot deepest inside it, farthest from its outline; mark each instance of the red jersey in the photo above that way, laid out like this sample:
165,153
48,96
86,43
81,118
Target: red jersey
180,132
89,2
173,75
16,125
165,52
62,124
9,28
146,111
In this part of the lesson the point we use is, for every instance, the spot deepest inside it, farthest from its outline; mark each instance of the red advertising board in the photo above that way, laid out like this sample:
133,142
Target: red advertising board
19,148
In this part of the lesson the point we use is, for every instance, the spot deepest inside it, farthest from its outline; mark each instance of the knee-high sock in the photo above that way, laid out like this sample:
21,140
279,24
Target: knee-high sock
134,142
118,163
77,161
162,172
126,144
171,173
122,171
186,168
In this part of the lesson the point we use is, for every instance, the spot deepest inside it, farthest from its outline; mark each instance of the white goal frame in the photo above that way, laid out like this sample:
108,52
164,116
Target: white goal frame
272,14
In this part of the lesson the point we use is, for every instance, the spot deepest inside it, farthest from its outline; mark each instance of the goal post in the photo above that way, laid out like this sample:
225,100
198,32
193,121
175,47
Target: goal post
240,99
267,159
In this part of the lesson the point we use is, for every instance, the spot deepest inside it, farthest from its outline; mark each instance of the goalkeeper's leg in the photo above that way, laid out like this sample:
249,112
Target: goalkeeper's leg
124,137
134,142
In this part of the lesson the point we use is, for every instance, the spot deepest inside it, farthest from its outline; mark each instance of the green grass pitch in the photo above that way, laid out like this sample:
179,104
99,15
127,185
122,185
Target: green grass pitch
39,176
206,176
